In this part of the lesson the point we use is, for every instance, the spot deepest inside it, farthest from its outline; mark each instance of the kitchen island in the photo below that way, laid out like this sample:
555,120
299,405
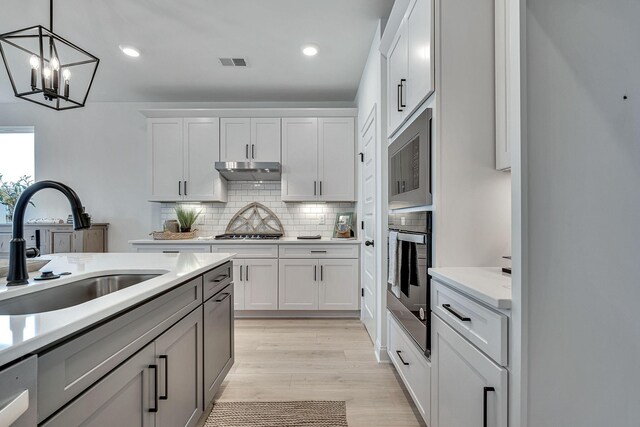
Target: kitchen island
142,353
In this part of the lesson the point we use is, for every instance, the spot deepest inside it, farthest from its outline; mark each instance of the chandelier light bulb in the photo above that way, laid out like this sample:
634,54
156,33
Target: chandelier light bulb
55,64
66,74
46,72
35,62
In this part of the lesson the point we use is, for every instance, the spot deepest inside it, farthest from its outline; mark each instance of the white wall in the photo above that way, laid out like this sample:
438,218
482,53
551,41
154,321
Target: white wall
100,152
371,95
583,215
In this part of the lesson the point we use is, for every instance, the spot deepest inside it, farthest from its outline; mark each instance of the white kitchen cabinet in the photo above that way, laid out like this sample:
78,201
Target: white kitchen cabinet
250,139
313,284
318,159
466,384
336,159
182,152
410,77
299,159
339,289
172,248
256,284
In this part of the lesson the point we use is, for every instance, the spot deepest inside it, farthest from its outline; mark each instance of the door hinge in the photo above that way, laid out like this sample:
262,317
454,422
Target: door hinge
362,225
362,289
361,157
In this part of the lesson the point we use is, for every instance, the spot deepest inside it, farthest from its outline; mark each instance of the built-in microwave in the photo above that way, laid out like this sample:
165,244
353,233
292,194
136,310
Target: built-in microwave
410,165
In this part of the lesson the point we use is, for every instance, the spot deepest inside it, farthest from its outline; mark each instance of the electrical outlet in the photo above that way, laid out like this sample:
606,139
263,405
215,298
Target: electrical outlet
403,221
321,220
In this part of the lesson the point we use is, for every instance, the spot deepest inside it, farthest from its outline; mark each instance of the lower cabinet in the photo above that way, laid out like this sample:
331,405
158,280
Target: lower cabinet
158,386
256,284
469,389
318,284
218,347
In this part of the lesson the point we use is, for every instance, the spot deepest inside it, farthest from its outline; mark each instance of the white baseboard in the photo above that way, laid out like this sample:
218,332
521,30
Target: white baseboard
382,356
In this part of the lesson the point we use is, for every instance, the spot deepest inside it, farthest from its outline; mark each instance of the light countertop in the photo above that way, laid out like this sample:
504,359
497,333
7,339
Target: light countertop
282,241
486,284
25,334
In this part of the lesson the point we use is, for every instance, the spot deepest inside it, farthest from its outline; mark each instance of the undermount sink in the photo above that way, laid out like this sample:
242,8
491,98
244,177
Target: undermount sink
70,294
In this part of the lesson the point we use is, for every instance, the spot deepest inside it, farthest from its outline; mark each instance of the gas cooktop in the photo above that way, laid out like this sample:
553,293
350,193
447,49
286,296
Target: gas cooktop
248,237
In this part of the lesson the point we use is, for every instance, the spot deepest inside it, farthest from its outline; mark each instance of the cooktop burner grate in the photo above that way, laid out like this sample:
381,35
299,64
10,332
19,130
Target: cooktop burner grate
230,236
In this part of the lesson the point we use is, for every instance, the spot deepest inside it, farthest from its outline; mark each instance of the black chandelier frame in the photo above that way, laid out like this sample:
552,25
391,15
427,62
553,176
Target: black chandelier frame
47,39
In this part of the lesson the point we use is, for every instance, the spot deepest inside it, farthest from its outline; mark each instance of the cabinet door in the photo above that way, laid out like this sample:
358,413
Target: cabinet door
238,285
218,341
336,159
261,284
396,76
463,377
339,284
420,82
299,159
167,162
61,242
90,241
5,239
298,285
179,360
265,140
201,146
125,397
235,140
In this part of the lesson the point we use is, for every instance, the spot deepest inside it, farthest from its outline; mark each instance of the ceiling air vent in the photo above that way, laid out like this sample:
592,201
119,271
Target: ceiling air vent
233,62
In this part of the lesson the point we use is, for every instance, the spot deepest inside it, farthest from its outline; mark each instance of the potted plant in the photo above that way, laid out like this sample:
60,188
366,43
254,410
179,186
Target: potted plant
10,193
186,218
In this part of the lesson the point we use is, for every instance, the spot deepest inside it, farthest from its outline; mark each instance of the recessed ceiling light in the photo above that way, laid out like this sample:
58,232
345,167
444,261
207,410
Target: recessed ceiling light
130,51
310,50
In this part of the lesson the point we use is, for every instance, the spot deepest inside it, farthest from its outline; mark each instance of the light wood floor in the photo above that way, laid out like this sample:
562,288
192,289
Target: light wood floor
317,359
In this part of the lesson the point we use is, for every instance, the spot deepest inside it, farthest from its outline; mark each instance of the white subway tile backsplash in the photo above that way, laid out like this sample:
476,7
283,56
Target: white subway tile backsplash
296,218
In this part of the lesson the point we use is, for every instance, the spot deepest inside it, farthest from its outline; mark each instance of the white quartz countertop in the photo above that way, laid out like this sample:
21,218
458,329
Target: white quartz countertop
282,241
25,334
486,284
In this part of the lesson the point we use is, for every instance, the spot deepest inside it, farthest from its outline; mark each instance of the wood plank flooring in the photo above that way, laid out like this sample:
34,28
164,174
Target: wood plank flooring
317,359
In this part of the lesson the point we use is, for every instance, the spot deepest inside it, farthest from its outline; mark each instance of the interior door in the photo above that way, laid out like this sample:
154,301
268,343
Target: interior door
299,159
235,139
265,140
201,138
179,360
369,186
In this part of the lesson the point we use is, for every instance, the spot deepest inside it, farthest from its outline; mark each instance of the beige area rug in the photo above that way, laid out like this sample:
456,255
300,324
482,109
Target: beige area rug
278,414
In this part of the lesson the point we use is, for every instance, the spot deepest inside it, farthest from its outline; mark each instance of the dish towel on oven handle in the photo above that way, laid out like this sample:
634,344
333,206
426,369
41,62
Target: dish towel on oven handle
395,259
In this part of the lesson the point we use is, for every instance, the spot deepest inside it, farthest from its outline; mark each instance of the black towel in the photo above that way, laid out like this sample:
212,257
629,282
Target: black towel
409,267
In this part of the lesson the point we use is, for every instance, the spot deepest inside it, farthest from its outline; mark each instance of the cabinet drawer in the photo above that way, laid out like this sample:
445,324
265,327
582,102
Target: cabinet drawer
412,366
67,370
318,251
248,250
216,279
172,249
18,394
485,328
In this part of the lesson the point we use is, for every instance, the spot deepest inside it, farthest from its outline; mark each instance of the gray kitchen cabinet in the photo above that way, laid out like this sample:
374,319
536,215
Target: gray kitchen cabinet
179,360
61,242
18,394
5,238
125,397
93,240
218,342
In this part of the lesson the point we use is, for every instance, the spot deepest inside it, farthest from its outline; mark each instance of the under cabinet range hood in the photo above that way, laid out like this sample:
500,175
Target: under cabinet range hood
249,171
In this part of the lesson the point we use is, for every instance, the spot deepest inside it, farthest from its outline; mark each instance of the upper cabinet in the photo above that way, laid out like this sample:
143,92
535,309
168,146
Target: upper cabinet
318,159
250,140
182,152
506,92
410,77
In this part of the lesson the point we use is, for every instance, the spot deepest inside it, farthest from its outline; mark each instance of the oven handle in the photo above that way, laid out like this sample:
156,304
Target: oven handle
413,238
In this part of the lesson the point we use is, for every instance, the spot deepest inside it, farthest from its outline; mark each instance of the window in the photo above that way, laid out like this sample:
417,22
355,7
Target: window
17,155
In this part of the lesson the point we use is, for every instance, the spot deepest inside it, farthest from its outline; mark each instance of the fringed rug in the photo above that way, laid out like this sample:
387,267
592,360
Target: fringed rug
278,414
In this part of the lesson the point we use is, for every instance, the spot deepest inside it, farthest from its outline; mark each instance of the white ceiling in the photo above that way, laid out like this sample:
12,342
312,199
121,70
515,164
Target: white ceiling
181,41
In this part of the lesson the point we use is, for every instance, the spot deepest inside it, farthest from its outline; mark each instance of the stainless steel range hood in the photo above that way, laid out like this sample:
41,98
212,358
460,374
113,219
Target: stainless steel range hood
249,171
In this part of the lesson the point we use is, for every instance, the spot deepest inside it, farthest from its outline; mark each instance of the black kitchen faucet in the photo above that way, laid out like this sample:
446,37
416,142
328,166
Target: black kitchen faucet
18,274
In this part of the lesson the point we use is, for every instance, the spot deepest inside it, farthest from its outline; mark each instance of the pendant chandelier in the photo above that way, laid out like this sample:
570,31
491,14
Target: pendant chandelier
47,69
